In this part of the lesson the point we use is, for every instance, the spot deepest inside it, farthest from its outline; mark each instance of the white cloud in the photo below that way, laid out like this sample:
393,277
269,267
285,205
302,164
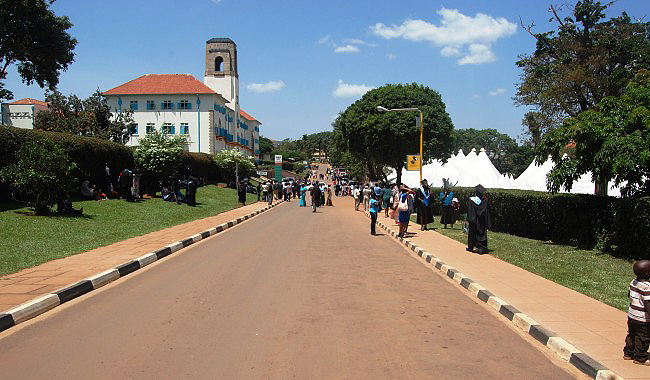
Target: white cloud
449,51
216,2
455,32
323,40
356,41
269,86
346,49
497,92
476,96
478,53
346,89
391,56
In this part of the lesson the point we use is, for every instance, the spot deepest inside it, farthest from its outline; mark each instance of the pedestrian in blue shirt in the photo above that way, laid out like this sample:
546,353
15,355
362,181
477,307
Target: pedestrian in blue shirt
374,209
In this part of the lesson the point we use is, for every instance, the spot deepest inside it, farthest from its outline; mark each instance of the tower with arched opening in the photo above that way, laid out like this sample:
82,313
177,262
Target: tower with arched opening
221,69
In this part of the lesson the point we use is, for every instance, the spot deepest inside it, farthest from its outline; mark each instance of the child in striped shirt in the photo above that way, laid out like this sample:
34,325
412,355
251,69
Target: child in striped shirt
638,315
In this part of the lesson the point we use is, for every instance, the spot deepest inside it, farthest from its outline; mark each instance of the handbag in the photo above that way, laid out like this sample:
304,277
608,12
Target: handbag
403,205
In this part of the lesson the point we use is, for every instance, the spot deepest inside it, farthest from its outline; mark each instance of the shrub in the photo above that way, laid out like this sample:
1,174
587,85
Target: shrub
159,155
201,165
227,160
40,173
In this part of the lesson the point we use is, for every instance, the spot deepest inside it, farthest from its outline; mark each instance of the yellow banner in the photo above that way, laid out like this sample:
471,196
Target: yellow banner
413,162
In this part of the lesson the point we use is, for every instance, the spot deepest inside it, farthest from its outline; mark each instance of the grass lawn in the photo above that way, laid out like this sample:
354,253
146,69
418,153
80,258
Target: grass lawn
589,272
26,241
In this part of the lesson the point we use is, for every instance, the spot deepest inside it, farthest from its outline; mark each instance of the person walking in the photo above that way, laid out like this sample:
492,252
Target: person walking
329,196
385,198
303,192
404,208
356,193
315,196
374,210
366,196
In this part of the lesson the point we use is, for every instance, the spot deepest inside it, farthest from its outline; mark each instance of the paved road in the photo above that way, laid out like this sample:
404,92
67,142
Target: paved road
289,294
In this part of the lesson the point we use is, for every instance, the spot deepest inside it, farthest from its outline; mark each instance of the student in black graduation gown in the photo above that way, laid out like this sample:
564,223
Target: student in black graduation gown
423,204
479,218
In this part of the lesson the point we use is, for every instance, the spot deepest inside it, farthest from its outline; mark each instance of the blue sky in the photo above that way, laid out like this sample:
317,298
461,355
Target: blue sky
303,62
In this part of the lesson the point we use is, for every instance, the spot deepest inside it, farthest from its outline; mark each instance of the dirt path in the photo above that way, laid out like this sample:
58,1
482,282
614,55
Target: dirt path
289,294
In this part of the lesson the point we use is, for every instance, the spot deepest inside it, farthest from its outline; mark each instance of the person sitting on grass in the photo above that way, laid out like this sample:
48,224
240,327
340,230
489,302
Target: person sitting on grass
64,205
637,340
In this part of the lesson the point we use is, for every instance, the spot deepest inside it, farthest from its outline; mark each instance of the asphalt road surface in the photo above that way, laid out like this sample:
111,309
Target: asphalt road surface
288,294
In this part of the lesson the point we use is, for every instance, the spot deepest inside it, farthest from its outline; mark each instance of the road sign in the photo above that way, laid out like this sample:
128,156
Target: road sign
278,159
413,162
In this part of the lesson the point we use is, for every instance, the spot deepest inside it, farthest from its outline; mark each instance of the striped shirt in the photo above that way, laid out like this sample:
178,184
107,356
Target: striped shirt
639,292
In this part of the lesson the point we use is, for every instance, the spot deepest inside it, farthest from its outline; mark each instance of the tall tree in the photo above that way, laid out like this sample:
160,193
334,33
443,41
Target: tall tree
33,37
612,141
384,139
586,59
266,146
91,117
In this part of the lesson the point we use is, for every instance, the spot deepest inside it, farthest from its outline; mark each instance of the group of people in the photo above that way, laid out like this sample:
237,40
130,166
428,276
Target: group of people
399,202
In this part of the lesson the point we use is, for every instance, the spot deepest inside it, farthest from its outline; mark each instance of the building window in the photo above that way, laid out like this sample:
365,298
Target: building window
151,105
150,128
169,129
184,105
133,105
217,63
167,105
134,131
185,129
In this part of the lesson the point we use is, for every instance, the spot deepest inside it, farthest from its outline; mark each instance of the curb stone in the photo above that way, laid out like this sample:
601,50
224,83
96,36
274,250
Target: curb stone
560,347
44,303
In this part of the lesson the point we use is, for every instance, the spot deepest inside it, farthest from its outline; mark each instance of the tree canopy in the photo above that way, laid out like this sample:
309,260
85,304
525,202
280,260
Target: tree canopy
91,117
612,141
585,60
32,36
365,137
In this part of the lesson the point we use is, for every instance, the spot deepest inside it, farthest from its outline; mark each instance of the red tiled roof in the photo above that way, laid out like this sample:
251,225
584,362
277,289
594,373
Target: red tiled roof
162,84
30,101
246,116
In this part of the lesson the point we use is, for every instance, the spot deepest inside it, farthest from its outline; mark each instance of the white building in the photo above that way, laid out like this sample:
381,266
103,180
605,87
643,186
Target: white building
21,113
208,113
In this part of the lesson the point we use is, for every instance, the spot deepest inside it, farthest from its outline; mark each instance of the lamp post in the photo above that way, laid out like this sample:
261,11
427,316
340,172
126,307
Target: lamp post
384,109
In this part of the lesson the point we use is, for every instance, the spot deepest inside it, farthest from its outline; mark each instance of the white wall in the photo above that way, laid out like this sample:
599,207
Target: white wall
205,116
20,115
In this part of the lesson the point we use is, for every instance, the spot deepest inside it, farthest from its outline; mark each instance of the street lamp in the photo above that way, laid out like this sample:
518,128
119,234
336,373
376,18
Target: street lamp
384,109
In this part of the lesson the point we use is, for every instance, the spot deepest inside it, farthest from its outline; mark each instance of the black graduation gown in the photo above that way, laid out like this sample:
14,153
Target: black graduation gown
241,192
424,212
480,220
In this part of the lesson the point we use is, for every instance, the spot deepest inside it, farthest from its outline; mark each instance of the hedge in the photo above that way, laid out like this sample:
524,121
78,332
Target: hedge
617,226
90,154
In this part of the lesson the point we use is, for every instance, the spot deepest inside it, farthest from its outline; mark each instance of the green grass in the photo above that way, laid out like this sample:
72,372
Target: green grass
589,272
27,240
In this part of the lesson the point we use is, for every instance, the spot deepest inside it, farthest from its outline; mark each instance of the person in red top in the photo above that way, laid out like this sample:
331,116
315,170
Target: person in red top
637,340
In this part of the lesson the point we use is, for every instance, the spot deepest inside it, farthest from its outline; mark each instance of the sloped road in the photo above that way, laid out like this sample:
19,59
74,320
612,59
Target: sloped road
289,294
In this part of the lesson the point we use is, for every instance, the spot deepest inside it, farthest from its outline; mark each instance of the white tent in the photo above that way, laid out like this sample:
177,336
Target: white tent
473,169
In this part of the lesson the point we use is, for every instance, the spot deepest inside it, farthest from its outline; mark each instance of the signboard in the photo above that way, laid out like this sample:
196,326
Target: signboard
278,167
413,162
263,173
